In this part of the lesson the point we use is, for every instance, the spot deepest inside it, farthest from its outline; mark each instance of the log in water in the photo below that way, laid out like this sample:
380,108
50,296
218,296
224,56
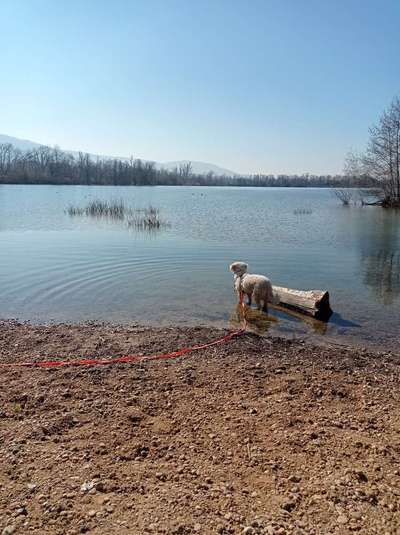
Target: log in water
314,303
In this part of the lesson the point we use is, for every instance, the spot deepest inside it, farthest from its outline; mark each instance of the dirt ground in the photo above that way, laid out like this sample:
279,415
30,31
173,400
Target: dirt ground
256,436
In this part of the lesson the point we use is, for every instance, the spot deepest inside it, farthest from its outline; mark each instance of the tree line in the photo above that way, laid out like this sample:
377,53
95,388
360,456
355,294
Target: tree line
47,165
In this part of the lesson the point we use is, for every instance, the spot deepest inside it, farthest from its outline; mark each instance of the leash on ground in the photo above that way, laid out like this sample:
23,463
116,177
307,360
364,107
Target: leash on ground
131,358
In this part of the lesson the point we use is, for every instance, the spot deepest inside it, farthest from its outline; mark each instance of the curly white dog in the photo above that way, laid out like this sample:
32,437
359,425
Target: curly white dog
254,286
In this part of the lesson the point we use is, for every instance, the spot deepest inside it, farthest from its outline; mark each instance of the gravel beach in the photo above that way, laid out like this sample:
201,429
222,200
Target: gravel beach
257,436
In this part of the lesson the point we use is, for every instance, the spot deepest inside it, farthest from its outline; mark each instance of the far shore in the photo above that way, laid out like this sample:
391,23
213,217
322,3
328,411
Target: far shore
257,436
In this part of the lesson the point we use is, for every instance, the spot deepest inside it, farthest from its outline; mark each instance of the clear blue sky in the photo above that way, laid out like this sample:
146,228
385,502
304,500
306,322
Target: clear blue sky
254,86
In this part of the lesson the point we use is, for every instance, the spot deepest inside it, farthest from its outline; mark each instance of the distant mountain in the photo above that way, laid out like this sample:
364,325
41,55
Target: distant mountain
22,144
200,168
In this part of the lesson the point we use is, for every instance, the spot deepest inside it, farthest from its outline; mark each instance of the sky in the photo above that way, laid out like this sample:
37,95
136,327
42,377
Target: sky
280,86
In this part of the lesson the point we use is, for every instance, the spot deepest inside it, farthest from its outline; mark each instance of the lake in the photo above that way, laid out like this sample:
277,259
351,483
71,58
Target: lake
55,267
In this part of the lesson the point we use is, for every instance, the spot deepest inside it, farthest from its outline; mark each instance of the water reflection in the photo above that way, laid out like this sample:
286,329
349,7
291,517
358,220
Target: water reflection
260,323
382,274
317,326
256,321
380,258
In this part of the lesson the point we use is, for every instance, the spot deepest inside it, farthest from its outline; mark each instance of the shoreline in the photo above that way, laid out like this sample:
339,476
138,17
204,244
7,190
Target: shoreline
311,338
259,435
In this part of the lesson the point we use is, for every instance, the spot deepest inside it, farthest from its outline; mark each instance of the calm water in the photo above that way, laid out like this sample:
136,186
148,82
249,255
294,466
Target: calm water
57,268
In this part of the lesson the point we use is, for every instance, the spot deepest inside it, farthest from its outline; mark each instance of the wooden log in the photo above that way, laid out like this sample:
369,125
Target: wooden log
314,303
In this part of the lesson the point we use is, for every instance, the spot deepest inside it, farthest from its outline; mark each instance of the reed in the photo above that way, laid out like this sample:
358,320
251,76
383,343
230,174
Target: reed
114,209
147,219
302,211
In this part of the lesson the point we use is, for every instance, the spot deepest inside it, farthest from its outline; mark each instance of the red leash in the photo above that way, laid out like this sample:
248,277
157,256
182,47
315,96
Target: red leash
132,358
119,360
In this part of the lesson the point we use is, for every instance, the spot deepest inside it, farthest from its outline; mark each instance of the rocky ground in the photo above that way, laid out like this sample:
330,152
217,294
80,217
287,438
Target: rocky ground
258,436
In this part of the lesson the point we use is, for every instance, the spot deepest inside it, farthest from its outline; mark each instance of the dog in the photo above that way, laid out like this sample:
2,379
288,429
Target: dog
256,287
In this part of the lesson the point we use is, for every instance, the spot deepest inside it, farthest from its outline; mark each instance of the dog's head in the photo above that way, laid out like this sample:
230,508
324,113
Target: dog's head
238,268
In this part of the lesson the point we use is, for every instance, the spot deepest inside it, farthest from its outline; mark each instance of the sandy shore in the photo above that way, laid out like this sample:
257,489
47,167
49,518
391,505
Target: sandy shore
257,436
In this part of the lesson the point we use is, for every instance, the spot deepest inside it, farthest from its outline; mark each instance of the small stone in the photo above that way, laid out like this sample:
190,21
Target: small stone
361,476
31,486
87,486
248,530
356,515
92,513
197,527
99,486
288,506
342,519
8,530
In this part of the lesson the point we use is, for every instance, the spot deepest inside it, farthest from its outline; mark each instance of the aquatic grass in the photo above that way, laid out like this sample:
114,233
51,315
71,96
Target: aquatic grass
114,209
140,218
302,211
147,219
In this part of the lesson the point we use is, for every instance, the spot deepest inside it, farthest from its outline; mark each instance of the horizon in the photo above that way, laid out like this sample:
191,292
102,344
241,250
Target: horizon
16,143
277,88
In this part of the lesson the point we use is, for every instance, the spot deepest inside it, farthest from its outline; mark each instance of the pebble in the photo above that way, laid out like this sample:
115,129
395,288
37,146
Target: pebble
87,486
356,515
342,519
99,486
288,505
92,513
248,530
9,530
197,527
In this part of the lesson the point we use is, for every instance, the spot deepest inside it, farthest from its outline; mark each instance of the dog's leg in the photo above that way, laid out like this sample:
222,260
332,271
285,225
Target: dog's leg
249,299
258,302
265,307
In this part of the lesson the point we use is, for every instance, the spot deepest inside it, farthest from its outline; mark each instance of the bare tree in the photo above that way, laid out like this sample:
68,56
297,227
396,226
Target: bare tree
185,169
6,155
344,195
381,159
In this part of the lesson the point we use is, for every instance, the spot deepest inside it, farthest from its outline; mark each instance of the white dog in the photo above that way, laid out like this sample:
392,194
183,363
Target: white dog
254,286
